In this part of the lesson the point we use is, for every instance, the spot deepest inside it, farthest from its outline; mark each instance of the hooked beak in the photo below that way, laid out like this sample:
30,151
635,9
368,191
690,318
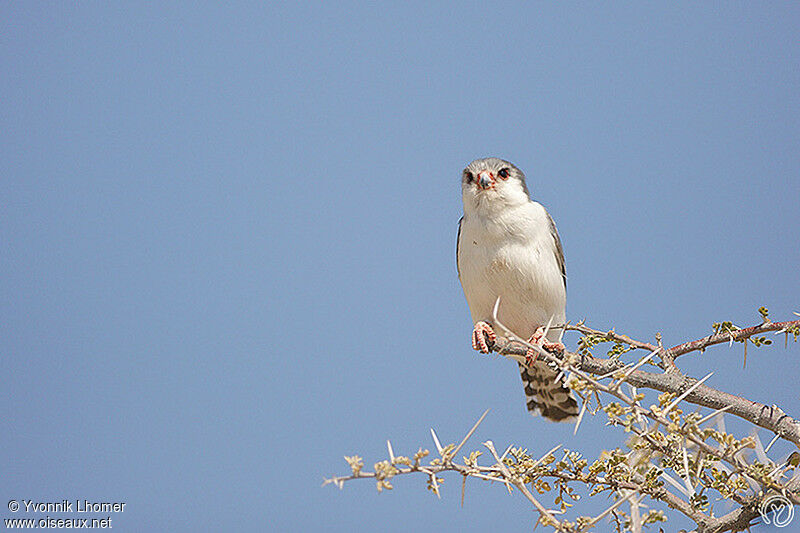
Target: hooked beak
486,180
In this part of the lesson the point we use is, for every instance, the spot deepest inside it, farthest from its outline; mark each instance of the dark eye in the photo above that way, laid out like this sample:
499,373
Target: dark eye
504,173
468,176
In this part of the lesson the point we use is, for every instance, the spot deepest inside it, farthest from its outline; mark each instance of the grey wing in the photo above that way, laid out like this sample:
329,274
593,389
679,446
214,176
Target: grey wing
458,244
559,249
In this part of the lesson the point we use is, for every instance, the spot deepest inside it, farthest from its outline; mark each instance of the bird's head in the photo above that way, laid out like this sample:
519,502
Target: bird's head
491,183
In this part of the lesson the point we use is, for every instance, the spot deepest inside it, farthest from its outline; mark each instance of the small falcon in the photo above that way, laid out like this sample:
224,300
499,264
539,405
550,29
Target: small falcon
508,246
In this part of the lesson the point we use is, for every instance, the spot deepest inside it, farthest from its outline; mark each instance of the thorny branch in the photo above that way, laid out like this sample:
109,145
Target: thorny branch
769,417
671,442
735,336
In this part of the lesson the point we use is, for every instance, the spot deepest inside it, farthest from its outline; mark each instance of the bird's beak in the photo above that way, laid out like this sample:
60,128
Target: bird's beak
485,180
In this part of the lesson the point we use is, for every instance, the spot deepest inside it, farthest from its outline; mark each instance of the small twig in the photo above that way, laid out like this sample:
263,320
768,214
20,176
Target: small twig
730,336
612,335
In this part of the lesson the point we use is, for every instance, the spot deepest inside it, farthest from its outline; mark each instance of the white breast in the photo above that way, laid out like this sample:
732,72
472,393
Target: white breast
512,255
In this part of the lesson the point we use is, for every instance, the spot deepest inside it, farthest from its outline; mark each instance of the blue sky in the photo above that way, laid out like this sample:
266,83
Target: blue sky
228,236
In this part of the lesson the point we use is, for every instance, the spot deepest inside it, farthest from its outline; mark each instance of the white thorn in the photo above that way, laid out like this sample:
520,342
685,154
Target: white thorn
547,329
677,400
580,417
775,438
505,452
776,470
637,365
760,452
542,458
687,479
391,452
712,415
675,484
436,441
470,432
599,517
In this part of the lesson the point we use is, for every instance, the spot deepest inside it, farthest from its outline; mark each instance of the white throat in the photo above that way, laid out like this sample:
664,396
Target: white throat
492,203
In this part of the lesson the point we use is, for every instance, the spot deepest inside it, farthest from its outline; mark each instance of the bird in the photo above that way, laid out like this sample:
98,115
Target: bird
508,247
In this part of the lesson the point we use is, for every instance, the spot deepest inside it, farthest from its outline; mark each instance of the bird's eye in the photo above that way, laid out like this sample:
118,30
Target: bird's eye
504,173
468,176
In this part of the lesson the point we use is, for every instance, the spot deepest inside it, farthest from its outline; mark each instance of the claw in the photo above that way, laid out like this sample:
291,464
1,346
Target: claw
530,357
539,338
482,332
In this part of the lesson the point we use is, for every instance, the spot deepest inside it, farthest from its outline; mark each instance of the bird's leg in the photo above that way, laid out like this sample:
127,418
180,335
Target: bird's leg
482,333
540,339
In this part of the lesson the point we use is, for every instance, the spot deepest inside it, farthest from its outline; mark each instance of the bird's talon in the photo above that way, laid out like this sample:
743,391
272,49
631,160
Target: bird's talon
482,333
555,347
530,357
539,339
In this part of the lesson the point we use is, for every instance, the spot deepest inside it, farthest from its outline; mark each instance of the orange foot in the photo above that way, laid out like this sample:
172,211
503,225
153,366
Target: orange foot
539,338
482,333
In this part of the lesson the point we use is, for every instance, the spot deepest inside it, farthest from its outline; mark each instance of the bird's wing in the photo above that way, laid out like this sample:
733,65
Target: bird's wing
559,249
458,244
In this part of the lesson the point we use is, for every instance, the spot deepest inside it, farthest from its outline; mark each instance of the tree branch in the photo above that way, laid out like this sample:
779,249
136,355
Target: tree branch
676,441
772,418
732,336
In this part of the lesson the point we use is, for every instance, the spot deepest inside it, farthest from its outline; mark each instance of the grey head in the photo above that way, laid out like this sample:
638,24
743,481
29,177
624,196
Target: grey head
492,181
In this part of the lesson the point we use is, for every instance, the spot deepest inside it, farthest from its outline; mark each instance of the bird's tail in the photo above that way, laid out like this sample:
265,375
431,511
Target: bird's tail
546,396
